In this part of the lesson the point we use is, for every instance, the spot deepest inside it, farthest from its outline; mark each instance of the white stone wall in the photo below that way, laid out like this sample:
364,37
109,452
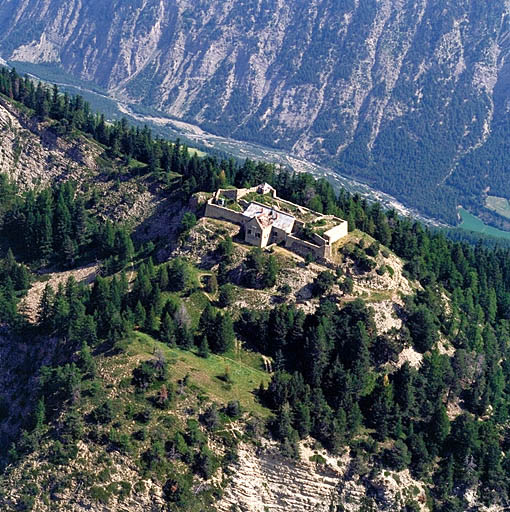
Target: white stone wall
336,233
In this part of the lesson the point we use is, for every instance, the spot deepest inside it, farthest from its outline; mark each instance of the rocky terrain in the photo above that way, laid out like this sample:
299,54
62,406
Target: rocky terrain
266,481
409,96
33,156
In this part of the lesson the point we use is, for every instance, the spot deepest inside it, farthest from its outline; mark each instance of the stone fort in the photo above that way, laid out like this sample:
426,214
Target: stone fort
267,219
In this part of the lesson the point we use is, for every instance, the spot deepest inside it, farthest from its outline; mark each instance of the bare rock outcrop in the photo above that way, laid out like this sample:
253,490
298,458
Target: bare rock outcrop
33,155
264,480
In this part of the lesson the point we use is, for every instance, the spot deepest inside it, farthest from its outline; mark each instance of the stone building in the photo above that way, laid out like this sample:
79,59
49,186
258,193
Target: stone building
265,224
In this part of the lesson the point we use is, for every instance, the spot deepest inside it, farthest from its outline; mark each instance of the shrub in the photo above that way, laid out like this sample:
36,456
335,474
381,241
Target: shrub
154,455
181,275
373,249
398,457
193,434
163,397
285,289
323,283
233,409
226,249
178,490
149,372
227,295
211,418
188,221
211,284
144,416
103,414
318,459
100,494
205,463
120,441
140,435
347,285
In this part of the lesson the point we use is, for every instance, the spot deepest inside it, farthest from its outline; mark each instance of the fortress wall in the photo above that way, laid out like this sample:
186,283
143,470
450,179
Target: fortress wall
231,194
241,192
336,233
219,212
279,235
318,240
298,226
303,248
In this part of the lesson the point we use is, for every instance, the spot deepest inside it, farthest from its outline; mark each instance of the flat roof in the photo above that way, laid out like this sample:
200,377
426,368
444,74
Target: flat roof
278,219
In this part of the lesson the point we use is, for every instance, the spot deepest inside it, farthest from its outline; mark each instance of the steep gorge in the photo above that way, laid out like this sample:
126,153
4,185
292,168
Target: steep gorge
406,95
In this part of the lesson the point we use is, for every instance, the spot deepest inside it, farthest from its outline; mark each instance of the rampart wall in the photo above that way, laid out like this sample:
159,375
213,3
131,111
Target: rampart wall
303,247
219,212
338,232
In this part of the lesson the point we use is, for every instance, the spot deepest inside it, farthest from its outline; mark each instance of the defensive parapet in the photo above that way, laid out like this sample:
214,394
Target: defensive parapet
215,211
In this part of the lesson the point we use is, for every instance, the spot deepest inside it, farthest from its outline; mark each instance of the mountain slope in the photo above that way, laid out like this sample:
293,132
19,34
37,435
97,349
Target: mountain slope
407,95
173,380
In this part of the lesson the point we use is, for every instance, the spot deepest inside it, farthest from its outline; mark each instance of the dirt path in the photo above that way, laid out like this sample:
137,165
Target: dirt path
30,304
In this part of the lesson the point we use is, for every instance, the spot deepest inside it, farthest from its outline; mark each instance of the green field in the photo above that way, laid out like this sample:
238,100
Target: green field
472,223
498,204
245,369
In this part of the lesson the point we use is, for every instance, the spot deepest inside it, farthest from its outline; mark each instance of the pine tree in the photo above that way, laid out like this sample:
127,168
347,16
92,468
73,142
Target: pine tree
270,272
62,222
123,246
207,322
46,308
168,328
70,251
45,244
163,278
140,314
39,415
9,263
61,311
284,431
223,336
211,284
444,479
203,347
318,349
439,428
226,295
156,300
302,420
86,361
152,322
382,409
404,389
80,222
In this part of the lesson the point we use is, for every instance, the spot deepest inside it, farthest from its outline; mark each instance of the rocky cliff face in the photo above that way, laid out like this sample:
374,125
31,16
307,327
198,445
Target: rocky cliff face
264,480
400,93
33,155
